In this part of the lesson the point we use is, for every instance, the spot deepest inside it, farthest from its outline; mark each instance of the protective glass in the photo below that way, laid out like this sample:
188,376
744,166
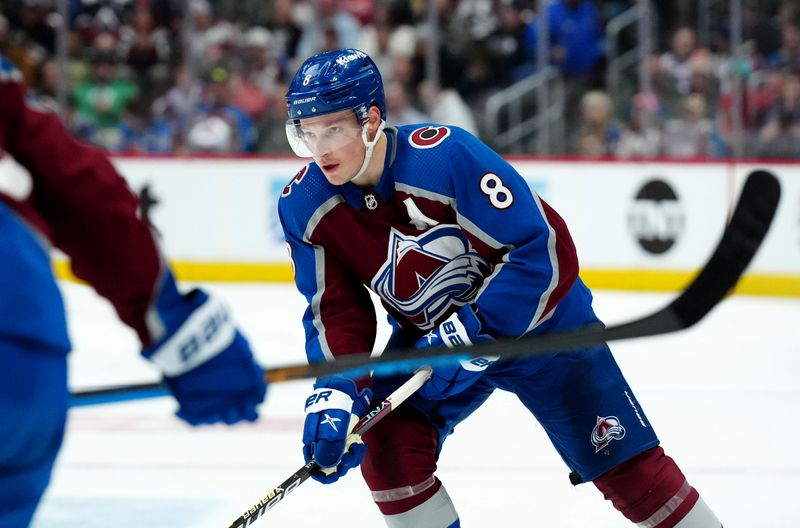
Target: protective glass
313,137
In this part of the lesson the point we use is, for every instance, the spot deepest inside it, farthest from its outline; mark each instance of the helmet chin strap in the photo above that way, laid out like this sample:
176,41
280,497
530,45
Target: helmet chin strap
370,146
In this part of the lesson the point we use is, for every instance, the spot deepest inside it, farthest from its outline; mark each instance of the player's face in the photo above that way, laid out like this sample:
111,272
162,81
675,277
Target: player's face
335,142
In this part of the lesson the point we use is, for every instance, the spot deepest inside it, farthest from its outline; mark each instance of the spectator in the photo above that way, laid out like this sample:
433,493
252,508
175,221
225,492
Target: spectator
506,45
478,79
263,60
704,81
34,19
330,38
145,49
253,87
788,57
787,12
216,125
221,45
451,65
212,38
780,136
271,125
764,97
576,37
576,40
399,110
101,100
760,29
99,18
404,72
598,135
14,46
384,42
445,106
46,86
672,70
284,27
248,96
641,136
170,112
78,68
329,15
692,135
130,132
161,136
363,10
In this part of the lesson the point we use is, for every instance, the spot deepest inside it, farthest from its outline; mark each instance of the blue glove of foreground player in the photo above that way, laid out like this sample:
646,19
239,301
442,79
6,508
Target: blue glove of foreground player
332,411
207,363
461,328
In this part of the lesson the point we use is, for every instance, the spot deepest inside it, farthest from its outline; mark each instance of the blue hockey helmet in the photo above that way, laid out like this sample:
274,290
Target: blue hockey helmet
337,80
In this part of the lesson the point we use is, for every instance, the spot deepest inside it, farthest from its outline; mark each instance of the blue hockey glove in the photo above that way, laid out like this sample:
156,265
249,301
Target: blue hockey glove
332,411
462,328
206,361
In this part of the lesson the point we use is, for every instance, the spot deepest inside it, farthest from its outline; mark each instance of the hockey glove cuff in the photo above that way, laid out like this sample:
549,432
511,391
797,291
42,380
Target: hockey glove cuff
461,328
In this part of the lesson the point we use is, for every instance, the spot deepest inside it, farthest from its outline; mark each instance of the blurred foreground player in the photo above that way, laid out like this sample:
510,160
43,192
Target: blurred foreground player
69,196
459,250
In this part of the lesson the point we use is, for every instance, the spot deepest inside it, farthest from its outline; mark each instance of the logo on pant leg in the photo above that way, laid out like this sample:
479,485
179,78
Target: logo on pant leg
606,430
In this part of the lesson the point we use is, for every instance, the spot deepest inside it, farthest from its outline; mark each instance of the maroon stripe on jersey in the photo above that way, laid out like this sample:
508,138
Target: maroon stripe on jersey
566,257
345,308
346,312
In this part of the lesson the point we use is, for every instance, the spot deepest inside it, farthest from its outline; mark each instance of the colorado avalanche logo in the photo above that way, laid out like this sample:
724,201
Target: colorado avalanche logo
426,275
606,430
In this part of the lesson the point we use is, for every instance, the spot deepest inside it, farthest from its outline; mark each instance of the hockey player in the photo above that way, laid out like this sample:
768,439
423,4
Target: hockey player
459,250
69,196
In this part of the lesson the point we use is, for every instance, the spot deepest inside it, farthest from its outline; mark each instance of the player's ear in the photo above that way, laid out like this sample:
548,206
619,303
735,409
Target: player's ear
373,120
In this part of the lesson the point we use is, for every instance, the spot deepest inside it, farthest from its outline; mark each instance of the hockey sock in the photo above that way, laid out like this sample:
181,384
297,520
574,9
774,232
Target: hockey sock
651,491
436,512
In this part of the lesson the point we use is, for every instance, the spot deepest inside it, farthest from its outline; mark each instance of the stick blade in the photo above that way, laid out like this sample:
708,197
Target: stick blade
746,231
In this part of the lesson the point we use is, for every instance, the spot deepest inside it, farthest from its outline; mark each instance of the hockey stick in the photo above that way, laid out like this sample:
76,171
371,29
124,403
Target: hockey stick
364,424
121,393
741,239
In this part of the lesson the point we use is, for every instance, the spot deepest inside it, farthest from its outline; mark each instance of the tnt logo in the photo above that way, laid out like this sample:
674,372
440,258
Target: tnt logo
656,219
606,430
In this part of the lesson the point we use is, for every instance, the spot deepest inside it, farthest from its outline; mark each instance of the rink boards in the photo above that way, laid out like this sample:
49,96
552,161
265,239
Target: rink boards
637,225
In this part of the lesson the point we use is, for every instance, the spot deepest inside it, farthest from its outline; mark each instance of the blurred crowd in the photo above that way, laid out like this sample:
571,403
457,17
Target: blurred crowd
201,76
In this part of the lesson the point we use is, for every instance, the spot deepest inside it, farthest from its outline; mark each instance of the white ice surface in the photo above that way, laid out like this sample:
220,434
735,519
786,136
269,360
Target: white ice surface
724,398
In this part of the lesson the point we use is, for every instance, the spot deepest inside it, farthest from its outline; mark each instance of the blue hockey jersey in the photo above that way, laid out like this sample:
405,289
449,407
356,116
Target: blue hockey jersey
450,223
